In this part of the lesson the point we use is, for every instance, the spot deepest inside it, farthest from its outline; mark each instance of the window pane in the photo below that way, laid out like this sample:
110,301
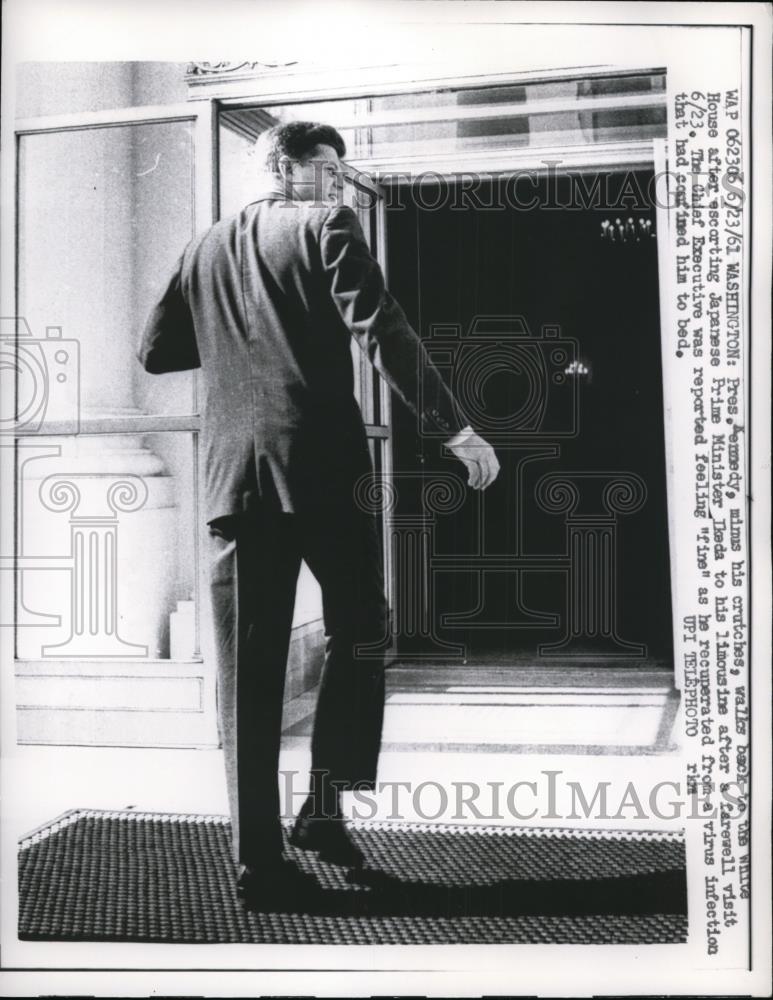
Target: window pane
540,114
103,216
106,547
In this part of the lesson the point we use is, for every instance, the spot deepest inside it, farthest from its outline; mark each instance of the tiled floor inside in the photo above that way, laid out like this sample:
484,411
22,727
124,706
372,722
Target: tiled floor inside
579,710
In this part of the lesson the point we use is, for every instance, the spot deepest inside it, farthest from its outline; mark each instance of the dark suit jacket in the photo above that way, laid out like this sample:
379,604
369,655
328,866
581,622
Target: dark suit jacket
265,302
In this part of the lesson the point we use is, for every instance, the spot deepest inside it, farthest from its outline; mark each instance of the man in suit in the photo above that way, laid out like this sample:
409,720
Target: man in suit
265,302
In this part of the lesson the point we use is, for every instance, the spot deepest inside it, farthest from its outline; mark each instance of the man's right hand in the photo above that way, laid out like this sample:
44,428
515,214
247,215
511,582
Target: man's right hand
477,455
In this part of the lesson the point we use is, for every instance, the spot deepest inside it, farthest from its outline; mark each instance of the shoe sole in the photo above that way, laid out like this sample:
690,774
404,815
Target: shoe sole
325,855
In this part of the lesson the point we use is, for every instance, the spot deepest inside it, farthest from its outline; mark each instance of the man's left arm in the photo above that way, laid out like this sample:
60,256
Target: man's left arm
381,328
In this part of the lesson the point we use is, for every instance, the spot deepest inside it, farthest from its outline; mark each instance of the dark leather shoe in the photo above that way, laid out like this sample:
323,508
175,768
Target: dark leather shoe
329,838
281,886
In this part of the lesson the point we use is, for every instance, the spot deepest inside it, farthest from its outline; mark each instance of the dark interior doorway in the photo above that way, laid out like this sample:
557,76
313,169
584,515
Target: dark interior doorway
503,578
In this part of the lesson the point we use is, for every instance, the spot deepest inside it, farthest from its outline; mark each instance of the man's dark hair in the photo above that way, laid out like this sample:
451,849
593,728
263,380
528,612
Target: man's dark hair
298,140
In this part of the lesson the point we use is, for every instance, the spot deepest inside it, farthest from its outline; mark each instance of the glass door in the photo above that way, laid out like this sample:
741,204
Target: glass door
108,635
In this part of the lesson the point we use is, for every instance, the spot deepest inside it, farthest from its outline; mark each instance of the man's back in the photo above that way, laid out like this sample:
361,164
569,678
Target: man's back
278,406
267,302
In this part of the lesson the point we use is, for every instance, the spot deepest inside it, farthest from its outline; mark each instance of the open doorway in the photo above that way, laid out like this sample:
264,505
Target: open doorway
551,294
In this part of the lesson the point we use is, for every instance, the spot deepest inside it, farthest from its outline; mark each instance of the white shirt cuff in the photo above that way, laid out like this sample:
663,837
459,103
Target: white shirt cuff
463,434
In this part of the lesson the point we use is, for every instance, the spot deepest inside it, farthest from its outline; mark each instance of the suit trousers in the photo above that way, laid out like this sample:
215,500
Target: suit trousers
255,561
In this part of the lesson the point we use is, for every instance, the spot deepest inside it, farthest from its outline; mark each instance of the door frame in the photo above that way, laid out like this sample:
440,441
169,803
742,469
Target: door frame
648,154
198,727
236,86
214,90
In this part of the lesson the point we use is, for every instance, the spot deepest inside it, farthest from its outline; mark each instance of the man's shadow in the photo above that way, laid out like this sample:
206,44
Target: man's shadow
376,894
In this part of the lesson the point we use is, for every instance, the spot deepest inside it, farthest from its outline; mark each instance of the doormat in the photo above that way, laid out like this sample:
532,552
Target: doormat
152,877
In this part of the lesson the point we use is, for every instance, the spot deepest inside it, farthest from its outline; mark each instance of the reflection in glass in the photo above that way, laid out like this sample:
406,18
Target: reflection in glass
571,112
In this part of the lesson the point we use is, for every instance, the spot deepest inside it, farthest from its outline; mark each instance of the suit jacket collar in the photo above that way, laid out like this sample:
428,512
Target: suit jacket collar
272,195
277,194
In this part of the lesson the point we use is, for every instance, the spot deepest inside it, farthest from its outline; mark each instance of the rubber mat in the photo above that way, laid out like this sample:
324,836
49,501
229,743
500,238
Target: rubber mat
110,876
